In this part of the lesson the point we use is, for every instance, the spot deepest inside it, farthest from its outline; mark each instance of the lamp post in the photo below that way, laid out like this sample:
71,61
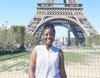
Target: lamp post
5,31
6,24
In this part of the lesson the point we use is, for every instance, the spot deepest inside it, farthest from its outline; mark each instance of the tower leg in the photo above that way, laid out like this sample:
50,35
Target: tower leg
69,42
77,43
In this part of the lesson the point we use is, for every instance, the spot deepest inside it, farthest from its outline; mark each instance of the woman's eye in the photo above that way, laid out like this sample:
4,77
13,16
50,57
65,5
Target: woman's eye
46,35
49,34
52,35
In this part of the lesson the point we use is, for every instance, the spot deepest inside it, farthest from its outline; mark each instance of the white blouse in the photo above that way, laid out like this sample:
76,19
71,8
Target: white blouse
47,62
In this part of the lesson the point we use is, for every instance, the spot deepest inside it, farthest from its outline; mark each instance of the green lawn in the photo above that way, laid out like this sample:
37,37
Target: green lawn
71,57
20,61
11,56
95,53
15,62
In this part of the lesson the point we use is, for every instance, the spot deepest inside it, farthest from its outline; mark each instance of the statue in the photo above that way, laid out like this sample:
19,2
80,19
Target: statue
47,1
70,1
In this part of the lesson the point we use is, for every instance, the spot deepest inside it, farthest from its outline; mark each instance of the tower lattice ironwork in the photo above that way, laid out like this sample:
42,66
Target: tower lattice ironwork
68,14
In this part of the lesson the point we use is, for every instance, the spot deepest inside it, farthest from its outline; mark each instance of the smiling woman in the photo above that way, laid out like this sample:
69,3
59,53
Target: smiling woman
47,57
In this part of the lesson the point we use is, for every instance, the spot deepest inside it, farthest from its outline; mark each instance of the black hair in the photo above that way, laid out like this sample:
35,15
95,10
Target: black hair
48,25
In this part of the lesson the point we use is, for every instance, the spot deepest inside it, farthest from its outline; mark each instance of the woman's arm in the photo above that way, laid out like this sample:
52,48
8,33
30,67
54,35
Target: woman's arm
61,65
32,65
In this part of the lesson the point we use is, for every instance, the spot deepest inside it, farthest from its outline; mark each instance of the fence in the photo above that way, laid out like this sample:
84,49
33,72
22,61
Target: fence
80,62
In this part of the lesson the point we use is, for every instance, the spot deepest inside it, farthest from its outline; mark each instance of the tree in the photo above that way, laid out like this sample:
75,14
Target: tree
18,34
30,40
88,41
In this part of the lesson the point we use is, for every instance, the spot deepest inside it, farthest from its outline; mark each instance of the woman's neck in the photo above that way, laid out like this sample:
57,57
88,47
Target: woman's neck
48,46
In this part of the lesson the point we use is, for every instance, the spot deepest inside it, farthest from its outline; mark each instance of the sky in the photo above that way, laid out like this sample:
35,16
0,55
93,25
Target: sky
20,12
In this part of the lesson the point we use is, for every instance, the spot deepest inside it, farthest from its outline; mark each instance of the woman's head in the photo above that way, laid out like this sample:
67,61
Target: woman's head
48,34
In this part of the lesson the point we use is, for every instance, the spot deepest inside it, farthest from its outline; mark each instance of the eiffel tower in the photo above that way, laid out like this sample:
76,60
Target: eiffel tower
68,14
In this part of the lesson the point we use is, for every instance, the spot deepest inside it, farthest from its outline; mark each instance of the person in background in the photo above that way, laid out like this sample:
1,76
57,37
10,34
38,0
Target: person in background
47,61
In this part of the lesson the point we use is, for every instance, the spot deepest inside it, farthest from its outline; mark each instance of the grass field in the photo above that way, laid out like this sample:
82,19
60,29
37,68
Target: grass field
11,56
71,57
20,60
73,60
15,62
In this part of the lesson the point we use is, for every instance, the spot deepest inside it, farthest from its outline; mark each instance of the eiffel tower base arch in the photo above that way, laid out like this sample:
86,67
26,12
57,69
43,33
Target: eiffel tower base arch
68,15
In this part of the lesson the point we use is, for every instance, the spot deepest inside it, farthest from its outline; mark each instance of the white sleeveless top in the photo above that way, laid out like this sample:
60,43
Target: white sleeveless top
47,62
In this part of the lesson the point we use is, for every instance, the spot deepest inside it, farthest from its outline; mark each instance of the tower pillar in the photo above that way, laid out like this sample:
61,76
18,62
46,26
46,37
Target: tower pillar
69,42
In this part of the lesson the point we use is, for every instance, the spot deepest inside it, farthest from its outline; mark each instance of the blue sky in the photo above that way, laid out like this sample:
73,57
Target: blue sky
20,12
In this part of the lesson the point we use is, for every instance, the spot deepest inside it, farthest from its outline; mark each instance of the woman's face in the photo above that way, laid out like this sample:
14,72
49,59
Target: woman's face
48,36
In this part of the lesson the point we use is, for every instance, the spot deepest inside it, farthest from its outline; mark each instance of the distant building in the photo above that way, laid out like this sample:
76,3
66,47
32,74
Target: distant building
61,41
65,40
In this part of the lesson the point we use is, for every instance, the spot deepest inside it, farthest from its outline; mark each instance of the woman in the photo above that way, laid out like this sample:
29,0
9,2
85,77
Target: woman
47,61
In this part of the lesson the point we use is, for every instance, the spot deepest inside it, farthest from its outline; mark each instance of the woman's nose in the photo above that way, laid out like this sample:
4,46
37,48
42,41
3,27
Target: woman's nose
49,36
